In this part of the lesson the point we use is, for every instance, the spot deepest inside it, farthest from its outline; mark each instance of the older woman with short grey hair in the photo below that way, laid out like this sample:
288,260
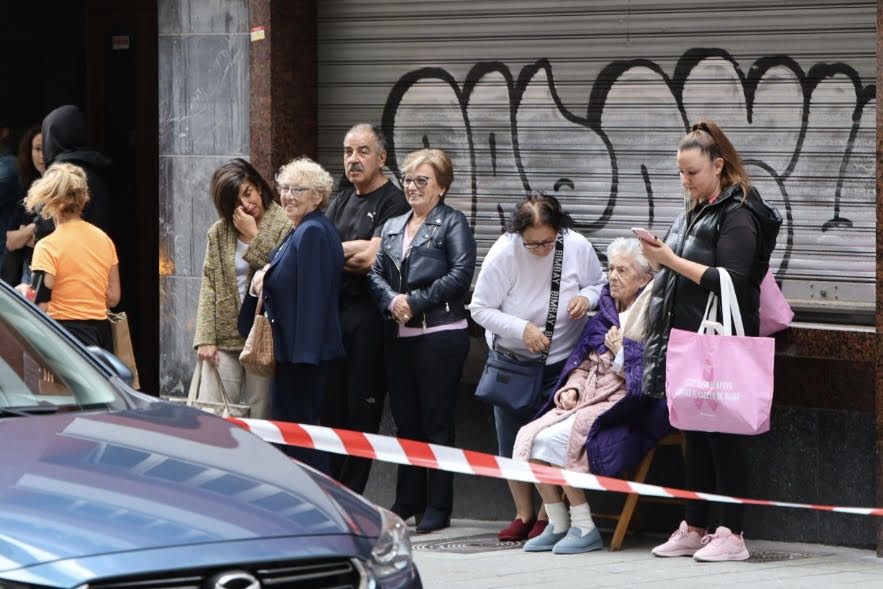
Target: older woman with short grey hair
597,421
299,289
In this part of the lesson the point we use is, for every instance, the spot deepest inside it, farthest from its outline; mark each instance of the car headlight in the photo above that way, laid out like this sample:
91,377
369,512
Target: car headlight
392,551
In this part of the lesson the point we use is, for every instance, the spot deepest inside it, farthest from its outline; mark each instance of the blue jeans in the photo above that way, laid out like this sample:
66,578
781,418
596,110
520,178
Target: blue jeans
507,423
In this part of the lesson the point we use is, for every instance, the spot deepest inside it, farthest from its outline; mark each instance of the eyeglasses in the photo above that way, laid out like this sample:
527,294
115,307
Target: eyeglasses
293,190
418,181
538,245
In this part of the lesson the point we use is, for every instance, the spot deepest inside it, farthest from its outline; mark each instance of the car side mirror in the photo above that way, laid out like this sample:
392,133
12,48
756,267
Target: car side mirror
112,363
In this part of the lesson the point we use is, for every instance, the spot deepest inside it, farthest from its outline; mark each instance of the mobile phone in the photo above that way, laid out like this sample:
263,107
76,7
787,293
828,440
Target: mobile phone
643,234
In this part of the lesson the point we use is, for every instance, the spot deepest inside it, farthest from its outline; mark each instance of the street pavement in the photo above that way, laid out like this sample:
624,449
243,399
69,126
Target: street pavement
467,555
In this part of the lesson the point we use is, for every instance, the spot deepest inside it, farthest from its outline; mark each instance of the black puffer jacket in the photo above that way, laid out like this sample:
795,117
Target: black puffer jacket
436,274
678,302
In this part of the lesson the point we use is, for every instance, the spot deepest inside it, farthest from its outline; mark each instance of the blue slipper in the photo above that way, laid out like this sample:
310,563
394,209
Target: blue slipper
574,542
545,541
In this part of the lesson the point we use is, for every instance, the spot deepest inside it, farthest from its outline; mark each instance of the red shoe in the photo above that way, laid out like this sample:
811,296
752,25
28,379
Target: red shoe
516,531
537,528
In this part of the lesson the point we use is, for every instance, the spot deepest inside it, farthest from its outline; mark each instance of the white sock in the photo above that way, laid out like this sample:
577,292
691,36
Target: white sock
581,517
559,519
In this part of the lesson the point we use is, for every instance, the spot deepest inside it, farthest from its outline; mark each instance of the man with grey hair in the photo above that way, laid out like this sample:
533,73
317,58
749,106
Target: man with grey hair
356,386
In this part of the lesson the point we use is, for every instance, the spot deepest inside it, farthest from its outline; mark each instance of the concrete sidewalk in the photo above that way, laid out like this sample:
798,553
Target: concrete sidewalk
467,555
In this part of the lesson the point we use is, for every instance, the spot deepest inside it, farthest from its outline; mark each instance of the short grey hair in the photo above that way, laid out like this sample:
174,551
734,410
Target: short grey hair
630,246
379,137
308,174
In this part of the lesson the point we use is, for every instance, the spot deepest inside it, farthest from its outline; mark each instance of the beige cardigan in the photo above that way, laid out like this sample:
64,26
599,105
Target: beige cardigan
219,301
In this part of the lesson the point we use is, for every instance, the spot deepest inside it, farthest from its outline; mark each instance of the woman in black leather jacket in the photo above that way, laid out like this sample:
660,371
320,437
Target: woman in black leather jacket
420,281
728,225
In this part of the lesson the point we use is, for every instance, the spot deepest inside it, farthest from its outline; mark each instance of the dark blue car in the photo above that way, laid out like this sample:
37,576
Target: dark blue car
104,487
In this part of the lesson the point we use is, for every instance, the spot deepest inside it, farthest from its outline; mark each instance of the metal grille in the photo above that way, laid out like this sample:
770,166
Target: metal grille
764,556
587,101
317,574
467,544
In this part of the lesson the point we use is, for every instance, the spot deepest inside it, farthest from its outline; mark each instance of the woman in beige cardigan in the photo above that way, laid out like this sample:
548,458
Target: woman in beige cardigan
250,227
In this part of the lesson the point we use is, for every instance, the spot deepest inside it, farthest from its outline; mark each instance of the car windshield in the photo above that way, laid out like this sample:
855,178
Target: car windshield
40,370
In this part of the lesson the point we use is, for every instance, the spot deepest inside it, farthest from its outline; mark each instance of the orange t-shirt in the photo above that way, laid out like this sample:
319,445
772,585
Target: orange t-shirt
79,255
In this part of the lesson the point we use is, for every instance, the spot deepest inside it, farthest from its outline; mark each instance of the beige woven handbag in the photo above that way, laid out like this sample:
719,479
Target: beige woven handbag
224,408
257,355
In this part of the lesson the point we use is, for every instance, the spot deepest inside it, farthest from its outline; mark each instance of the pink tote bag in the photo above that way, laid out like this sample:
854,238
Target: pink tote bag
775,312
716,381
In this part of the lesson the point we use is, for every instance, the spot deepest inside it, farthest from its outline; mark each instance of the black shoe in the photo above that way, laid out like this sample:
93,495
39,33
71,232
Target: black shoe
434,520
406,512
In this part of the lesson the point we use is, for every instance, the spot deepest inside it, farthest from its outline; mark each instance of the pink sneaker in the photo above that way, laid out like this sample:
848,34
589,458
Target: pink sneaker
683,542
724,545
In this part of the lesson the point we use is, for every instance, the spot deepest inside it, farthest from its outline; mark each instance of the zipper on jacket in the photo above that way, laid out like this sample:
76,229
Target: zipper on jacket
399,270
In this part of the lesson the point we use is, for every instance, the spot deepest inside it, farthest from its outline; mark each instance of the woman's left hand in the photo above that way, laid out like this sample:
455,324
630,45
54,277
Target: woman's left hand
613,340
578,307
401,310
568,399
257,281
658,254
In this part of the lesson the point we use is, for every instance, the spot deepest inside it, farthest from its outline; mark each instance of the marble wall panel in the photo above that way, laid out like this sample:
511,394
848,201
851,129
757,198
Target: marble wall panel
846,474
186,211
204,102
178,297
202,16
203,122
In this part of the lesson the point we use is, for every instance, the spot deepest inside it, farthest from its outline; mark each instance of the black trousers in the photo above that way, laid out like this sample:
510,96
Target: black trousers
716,463
91,332
423,373
296,396
356,387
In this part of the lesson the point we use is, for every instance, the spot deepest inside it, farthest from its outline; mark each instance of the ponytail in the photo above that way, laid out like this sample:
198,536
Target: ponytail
708,138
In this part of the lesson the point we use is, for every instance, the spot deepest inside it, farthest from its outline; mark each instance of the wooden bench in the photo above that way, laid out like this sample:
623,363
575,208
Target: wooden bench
624,517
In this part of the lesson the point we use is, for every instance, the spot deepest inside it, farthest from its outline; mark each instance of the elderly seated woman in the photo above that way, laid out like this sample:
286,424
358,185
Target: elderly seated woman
598,421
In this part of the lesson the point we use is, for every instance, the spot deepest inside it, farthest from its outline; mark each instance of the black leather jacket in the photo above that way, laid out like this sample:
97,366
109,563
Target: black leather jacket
437,272
679,302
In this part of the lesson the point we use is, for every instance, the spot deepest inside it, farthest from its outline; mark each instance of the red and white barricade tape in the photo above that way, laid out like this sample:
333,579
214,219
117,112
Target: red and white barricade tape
410,452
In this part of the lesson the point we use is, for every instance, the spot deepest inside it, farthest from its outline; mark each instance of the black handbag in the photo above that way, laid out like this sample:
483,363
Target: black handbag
514,384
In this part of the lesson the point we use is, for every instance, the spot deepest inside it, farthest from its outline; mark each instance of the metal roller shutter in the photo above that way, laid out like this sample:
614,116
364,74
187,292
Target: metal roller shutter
587,100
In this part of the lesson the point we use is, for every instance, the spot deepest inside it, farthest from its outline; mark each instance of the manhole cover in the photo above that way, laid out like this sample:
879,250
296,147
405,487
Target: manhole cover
466,544
776,556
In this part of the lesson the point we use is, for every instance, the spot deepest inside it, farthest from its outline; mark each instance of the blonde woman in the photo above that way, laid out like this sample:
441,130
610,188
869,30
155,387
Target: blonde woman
300,288
76,271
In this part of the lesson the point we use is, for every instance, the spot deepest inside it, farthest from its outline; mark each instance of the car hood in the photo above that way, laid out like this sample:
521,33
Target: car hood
83,484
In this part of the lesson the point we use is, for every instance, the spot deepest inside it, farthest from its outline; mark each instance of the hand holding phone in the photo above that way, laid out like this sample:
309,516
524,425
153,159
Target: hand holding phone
644,235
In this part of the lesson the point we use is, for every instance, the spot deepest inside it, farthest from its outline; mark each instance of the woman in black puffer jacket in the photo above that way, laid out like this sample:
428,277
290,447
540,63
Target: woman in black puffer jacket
728,225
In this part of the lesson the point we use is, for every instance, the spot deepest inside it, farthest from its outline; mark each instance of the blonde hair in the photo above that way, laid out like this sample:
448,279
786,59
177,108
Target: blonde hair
61,191
308,174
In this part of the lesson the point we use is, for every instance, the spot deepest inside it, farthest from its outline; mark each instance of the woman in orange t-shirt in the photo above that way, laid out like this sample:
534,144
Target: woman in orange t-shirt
76,271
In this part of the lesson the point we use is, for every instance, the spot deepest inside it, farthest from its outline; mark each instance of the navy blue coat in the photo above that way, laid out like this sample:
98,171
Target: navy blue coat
301,291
